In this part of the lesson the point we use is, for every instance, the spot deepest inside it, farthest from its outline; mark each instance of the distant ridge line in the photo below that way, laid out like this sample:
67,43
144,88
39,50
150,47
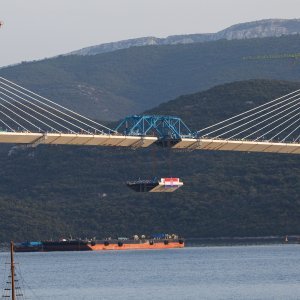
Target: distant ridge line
255,29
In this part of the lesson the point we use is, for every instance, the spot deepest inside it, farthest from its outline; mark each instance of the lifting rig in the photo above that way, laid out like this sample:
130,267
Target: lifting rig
169,131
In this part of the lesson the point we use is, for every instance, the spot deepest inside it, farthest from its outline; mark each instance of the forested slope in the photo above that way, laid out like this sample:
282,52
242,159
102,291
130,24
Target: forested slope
54,191
112,85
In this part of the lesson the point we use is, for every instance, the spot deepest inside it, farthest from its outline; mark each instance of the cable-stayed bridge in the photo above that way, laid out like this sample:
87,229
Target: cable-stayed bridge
28,118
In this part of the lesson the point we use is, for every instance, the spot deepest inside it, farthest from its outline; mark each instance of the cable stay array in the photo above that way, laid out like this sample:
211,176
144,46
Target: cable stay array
30,119
22,110
275,121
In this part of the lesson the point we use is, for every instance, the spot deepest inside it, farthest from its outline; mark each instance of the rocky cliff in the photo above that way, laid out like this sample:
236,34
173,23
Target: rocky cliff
257,29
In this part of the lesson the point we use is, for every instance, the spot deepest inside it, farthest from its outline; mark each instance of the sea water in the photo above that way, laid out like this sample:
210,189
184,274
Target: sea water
237,272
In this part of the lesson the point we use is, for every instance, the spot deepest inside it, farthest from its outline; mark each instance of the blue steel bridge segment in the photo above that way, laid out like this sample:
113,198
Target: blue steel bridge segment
163,127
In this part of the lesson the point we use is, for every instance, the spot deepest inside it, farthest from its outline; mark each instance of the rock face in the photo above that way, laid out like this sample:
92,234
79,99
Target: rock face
144,41
260,29
257,29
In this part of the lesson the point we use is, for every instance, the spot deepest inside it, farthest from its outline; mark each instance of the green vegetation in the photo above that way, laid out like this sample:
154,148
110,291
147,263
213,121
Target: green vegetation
113,85
274,56
56,191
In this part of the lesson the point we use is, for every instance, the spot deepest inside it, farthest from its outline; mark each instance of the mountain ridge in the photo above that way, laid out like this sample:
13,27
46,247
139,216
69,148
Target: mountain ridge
111,85
255,29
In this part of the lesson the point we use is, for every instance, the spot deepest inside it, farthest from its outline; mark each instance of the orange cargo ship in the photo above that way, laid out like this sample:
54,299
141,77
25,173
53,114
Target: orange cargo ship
165,242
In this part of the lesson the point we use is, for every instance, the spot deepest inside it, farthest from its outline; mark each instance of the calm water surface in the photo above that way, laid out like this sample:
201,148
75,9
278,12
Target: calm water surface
241,272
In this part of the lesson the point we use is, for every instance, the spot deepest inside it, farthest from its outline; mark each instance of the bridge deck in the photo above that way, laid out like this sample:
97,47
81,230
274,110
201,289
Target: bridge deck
75,139
137,141
238,145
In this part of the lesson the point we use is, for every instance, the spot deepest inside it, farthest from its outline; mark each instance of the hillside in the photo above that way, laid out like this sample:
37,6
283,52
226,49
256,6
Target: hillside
56,191
249,30
111,85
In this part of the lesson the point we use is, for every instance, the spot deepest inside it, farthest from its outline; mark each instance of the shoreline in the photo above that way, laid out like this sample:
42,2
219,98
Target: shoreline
243,241
224,241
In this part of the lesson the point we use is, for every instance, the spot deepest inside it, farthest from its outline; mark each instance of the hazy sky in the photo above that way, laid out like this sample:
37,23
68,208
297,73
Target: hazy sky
34,29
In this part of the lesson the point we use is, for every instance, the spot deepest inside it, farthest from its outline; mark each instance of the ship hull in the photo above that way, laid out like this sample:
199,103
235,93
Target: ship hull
168,185
98,246
138,246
